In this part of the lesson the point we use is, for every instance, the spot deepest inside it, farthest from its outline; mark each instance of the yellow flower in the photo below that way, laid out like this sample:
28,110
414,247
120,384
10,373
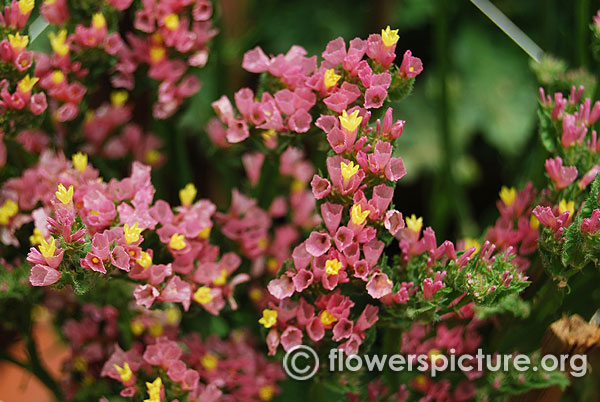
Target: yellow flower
7,211
332,267
118,98
25,6
564,206
145,259
58,42
80,161
358,215
154,390
209,361
413,223
47,249
434,355
58,76
508,195
266,392
27,83
268,134
171,21
533,222
172,315
349,170
269,318
152,156
331,78
177,242
157,53
389,36
80,364
204,233
155,329
137,328
470,242
350,121
187,194
297,185
36,238
125,371
98,21
132,234
327,318
202,295
18,42
255,294
221,279
65,196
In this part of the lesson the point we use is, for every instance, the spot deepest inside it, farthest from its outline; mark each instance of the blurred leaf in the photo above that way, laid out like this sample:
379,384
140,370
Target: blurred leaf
494,91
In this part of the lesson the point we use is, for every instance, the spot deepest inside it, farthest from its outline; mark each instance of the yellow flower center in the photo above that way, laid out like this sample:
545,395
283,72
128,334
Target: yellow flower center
202,295
125,371
533,222
204,233
7,211
508,195
36,238
564,206
332,267
25,6
119,98
389,36
209,361
349,170
145,259
350,121
413,223
157,53
177,242
266,392
47,249
65,196
18,42
187,194
269,318
58,76
221,279
80,161
132,234
98,21
58,42
358,215
154,390
327,318
171,21
331,78
470,242
137,328
27,83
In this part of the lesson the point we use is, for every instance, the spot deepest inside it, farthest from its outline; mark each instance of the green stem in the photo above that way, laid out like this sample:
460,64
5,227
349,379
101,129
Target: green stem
456,206
37,368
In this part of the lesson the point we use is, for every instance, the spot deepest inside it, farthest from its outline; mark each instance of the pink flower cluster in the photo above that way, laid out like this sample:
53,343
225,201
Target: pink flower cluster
113,216
575,117
515,228
166,39
342,79
204,370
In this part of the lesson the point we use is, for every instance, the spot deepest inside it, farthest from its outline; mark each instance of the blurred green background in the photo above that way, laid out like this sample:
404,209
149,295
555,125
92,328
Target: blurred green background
471,120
